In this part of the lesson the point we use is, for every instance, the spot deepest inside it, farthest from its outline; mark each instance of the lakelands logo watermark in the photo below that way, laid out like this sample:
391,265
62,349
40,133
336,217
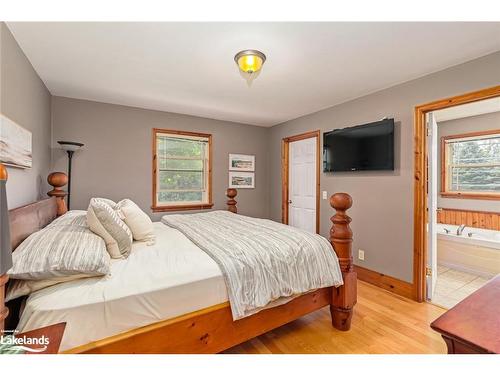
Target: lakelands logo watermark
29,344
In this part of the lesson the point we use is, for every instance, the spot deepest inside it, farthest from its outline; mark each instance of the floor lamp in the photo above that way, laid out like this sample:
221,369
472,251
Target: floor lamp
70,148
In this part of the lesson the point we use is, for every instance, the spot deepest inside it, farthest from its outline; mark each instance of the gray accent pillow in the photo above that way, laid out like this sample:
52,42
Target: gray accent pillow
60,251
104,221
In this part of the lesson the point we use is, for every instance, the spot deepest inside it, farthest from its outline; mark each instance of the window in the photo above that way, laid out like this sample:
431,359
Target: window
181,170
470,165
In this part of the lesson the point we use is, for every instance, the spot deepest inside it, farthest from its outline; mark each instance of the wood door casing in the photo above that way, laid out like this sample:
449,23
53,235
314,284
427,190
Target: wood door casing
285,164
420,179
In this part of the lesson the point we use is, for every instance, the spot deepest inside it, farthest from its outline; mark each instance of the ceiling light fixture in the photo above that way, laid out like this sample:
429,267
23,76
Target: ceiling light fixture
250,63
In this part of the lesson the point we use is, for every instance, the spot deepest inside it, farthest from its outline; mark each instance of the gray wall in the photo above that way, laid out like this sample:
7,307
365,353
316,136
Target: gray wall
383,201
25,100
488,121
116,160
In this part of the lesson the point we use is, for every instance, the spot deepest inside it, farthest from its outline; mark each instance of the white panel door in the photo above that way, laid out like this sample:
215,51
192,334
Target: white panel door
302,184
432,149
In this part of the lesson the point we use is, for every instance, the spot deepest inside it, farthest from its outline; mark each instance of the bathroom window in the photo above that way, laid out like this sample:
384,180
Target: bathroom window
470,165
181,170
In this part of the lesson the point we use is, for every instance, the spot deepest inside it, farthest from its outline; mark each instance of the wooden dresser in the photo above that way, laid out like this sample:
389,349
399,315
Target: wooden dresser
473,325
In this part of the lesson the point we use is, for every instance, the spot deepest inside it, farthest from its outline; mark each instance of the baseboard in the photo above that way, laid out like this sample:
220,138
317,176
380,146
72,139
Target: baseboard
400,287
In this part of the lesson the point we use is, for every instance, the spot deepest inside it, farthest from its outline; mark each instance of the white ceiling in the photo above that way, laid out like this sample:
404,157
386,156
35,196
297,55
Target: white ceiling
468,110
189,68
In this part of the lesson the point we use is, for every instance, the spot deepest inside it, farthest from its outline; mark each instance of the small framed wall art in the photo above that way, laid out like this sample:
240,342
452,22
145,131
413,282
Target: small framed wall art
15,144
242,163
242,180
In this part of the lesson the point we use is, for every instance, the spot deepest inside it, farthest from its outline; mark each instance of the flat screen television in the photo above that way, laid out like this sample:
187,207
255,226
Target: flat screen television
368,147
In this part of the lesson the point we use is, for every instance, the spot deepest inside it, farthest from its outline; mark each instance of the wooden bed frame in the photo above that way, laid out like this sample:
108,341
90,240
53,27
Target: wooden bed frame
212,330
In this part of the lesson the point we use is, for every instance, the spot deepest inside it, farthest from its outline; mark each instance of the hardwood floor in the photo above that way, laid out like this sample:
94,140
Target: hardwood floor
383,322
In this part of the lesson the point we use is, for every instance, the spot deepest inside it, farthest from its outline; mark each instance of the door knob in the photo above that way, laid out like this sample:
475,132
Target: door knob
289,202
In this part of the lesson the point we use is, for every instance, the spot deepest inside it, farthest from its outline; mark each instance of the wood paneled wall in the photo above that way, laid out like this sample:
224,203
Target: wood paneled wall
475,219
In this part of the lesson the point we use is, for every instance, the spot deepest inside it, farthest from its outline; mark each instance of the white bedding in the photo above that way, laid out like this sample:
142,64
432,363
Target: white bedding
171,278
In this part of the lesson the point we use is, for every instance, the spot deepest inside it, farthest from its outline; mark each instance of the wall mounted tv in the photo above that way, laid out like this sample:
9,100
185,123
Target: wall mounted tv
368,147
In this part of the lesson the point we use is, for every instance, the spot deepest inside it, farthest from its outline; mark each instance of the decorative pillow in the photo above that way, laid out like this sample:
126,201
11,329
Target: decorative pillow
110,203
137,220
104,221
60,251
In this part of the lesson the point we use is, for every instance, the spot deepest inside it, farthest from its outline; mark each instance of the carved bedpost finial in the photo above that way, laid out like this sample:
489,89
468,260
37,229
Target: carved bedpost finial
344,297
57,180
341,233
231,202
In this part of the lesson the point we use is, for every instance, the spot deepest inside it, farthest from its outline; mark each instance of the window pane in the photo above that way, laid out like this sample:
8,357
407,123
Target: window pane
184,196
477,151
475,179
181,180
180,147
182,164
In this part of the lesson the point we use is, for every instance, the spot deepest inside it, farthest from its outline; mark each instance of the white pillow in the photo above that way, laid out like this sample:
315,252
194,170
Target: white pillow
137,220
104,221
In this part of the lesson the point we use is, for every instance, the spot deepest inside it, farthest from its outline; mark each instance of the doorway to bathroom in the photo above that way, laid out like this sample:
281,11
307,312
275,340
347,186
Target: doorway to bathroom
460,204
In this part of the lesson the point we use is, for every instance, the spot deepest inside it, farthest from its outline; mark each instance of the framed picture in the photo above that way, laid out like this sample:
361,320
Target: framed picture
243,163
242,180
15,144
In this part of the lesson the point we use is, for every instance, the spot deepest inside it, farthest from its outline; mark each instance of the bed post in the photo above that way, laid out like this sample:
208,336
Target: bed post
4,248
344,297
57,180
231,202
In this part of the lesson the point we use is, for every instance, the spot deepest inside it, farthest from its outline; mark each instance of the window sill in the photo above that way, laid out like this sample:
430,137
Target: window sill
488,196
202,206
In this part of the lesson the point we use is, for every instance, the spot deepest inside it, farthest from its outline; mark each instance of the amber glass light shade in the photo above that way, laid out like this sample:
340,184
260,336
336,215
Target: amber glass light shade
249,63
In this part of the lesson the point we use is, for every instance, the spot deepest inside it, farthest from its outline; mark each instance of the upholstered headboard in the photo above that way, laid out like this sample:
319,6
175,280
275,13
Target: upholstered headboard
28,219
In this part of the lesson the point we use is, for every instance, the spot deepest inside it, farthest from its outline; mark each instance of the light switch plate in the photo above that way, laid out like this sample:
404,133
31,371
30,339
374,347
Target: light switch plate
325,195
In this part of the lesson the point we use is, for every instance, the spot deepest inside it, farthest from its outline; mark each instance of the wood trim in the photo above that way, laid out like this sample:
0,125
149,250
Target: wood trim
397,286
210,330
183,207
462,195
420,179
474,219
472,134
444,162
285,162
210,203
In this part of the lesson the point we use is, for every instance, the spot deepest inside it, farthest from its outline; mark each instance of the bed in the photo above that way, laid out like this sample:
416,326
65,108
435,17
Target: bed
180,305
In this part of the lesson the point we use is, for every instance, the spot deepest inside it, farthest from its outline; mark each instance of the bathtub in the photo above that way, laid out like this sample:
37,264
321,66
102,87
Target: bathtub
476,251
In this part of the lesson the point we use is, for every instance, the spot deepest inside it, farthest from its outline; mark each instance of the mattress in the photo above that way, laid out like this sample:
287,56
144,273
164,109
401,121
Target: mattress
157,282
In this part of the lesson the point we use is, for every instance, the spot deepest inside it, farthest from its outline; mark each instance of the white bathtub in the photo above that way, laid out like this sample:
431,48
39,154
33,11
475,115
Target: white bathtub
476,250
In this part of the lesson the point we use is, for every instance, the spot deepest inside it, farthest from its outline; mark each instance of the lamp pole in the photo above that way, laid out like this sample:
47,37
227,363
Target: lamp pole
70,148
70,157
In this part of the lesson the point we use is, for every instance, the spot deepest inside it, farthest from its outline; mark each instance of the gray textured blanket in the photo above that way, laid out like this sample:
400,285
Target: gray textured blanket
261,260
